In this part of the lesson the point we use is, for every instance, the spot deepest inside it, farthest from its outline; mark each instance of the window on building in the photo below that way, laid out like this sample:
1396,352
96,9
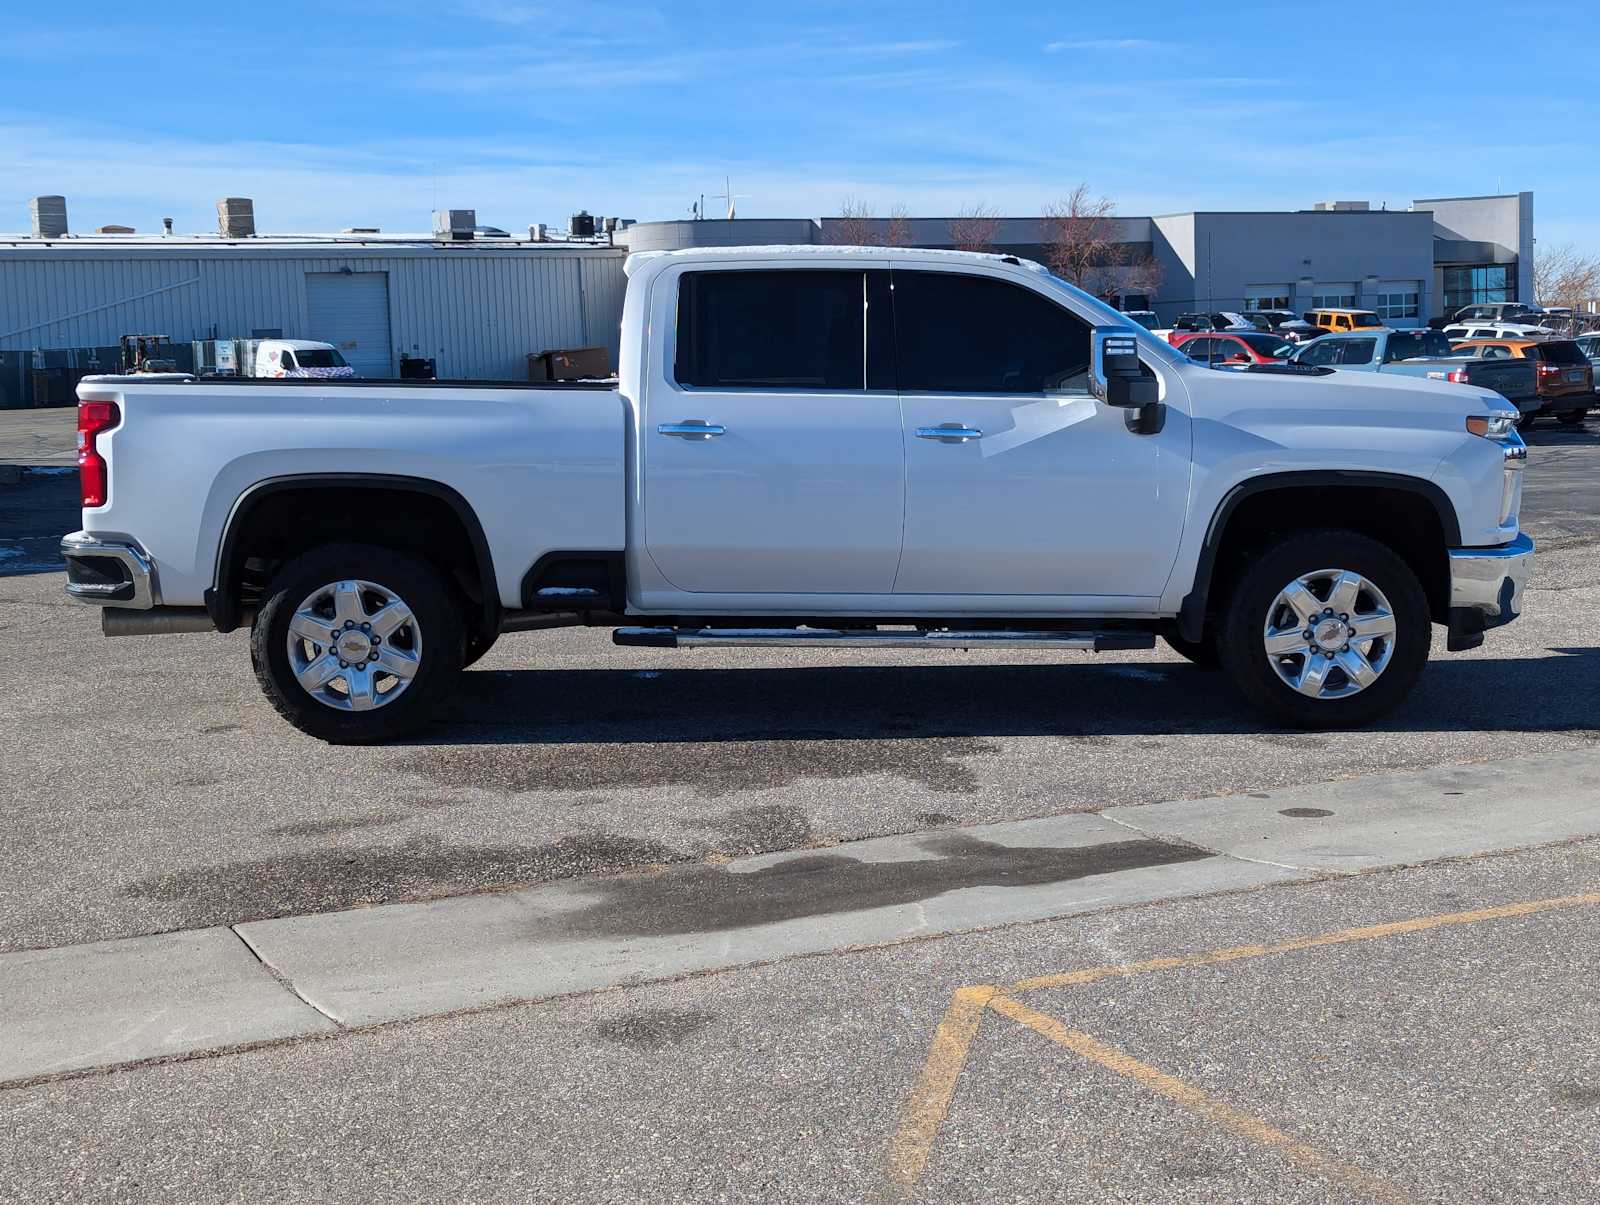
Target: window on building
1483,285
1333,301
794,329
975,334
1266,301
1397,305
1134,301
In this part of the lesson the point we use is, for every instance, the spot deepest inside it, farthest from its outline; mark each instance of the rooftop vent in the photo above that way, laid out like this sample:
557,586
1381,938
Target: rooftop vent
454,224
49,216
581,225
537,233
114,229
1342,206
166,225
236,217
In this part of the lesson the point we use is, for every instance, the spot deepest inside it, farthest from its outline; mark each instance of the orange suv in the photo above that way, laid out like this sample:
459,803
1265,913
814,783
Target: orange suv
1563,374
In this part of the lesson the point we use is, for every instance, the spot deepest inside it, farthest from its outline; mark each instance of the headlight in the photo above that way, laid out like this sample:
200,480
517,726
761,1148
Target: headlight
1498,425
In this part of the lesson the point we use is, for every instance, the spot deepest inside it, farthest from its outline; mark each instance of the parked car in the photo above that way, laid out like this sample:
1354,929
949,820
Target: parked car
1269,320
1216,321
1426,354
1589,345
1298,330
1496,311
1514,330
1145,318
1343,320
1563,374
1229,347
372,559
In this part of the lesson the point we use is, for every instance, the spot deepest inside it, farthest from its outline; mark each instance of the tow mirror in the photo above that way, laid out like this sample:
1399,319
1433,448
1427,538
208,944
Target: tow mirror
1118,378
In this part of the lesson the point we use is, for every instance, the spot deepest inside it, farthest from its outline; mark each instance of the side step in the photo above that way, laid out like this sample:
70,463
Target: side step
833,638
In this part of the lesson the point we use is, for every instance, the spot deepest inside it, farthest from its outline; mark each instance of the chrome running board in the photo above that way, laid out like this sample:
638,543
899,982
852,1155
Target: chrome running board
869,638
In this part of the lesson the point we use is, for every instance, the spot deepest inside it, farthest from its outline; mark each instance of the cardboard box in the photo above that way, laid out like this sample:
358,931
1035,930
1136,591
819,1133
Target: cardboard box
576,363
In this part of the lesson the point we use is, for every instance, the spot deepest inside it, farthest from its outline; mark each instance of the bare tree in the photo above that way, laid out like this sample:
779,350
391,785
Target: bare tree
974,227
1080,239
1142,274
856,226
899,232
1565,275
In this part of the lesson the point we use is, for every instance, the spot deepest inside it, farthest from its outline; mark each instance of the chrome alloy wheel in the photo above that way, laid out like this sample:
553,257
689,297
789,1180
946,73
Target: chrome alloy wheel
1329,634
354,645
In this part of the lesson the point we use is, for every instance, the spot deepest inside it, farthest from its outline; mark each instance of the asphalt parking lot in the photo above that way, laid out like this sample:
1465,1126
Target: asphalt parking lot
149,788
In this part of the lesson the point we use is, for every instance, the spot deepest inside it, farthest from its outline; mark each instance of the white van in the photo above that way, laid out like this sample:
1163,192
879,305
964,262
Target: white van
299,358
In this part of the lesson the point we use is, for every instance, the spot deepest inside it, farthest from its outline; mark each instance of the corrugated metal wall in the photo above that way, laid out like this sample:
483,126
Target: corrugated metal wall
478,313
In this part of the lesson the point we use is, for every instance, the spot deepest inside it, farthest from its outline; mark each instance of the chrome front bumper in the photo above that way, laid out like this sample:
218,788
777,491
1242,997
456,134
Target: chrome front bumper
109,573
1486,585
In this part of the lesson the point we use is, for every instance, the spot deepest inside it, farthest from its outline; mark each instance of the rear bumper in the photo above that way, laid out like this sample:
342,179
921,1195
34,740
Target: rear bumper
109,573
1486,586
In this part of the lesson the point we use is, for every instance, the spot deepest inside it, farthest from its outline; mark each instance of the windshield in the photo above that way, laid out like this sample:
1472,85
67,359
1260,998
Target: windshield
1411,345
1364,320
320,357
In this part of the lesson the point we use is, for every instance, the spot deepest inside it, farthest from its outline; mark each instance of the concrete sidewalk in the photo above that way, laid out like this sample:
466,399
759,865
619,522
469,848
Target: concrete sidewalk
117,1002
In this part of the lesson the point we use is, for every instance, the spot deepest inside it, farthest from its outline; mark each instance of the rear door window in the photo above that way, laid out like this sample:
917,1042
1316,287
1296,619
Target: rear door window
1358,351
790,329
974,334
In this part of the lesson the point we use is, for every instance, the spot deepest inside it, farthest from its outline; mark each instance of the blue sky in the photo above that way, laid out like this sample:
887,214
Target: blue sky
335,114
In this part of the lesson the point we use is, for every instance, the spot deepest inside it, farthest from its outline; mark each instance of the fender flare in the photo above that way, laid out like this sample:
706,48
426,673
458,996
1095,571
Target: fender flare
1192,611
222,599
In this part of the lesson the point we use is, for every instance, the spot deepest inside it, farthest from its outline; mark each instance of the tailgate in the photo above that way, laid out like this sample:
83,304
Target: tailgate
1509,378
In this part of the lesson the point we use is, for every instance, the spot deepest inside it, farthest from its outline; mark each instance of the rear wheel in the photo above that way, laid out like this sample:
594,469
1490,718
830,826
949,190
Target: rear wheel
1326,629
356,644
1572,418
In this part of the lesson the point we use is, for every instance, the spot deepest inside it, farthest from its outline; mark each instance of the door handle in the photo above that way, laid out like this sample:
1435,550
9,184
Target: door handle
950,433
692,428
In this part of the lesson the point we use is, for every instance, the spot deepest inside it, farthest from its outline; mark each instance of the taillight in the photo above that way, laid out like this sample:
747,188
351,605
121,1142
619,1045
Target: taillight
1457,376
1548,370
93,418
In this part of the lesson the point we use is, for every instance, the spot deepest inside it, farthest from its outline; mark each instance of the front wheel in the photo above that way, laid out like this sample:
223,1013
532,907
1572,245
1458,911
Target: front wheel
1326,629
1526,419
356,644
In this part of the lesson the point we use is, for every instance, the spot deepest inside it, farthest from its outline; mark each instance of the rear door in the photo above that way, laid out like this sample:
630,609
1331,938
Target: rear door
1018,482
768,466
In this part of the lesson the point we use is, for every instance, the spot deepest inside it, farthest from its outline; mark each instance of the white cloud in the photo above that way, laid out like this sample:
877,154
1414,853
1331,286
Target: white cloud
1108,44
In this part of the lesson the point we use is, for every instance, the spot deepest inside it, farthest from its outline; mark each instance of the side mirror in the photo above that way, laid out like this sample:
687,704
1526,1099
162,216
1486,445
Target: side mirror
1118,378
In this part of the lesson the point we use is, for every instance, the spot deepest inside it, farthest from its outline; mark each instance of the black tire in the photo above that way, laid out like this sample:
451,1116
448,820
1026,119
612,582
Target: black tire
1527,419
1572,418
1202,652
437,615
1245,616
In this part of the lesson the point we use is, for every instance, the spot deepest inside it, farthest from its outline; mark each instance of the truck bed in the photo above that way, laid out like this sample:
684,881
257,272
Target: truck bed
539,463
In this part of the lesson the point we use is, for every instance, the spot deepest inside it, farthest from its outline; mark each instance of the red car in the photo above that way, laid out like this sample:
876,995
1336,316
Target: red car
1234,347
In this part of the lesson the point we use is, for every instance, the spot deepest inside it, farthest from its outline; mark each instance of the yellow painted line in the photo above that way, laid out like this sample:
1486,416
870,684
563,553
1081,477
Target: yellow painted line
929,1101
1213,1110
1365,933
925,1110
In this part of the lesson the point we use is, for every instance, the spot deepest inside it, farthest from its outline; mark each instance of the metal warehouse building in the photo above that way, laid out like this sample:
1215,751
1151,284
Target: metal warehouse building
477,307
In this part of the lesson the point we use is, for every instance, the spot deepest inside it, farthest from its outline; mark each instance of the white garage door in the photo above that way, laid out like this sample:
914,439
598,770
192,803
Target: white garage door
352,313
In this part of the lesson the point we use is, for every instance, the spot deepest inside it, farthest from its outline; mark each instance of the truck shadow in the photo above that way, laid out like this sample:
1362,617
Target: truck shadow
884,703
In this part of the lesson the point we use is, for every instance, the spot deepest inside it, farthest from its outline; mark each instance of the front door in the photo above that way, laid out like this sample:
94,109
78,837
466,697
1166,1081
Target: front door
1018,482
769,466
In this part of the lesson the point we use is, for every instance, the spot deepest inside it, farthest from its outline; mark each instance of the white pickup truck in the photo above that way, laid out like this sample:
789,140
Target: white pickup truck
814,447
